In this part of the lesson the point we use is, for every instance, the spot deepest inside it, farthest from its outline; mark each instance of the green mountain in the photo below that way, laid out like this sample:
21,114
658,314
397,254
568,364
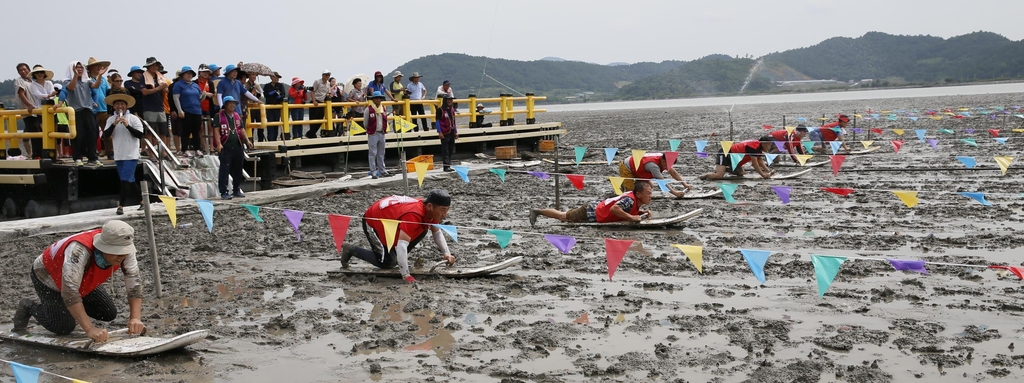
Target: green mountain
715,74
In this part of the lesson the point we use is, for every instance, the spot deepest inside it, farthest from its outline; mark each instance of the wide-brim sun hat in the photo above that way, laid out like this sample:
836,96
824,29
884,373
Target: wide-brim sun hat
93,61
187,69
151,61
120,97
229,68
297,81
397,74
415,75
116,238
47,74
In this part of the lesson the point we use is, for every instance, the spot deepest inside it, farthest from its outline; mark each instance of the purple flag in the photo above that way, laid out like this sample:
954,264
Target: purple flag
702,155
295,217
934,143
780,145
563,243
540,175
783,192
908,265
969,131
857,130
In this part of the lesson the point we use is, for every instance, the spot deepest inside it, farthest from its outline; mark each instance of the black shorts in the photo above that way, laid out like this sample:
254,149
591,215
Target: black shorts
723,159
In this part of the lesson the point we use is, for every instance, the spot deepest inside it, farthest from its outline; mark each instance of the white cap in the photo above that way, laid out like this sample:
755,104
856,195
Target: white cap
479,105
326,71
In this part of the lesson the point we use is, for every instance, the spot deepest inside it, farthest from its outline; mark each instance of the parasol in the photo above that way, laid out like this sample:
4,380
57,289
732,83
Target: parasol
348,83
256,68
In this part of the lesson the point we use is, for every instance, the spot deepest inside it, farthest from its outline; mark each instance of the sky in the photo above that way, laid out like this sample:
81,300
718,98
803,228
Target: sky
304,37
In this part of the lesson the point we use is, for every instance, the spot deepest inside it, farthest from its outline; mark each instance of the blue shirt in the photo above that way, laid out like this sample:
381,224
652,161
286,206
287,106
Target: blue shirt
188,95
234,89
373,87
99,96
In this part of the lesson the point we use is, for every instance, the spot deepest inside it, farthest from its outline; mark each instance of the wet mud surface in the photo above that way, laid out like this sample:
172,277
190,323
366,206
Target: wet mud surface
274,315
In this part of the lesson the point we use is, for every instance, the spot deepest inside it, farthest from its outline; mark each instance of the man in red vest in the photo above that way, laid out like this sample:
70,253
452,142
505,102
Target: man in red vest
415,217
67,277
622,208
651,167
791,141
751,151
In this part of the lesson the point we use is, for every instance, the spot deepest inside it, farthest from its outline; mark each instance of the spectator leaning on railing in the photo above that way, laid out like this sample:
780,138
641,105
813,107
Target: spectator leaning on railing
21,88
187,99
417,91
297,94
337,94
320,89
78,93
154,86
274,94
40,90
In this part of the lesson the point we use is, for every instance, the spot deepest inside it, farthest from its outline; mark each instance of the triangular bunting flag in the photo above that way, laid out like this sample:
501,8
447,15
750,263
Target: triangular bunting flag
663,185
25,374
835,146
615,250
896,145
899,132
908,197
808,146
450,229
857,130
695,254
969,141
673,145
969,131
541,175
767,127
840,191
825,269
499,172
616,184
670,158
837,162
356,129
1016,270
502,236
866,143
967,161
783,193
770,158
908,265
857,116
735,159
295,218
637,154
609,153
756,260
563,243
580,151
462,171
790,129
339,229
726,145
701,144
405,125
994,132
1004,163
421,171
576,179
934,143
920,134
875,130
1002,140
390,232
727,190
171,205
701,155
254,211
206,209
802,158
946,131
781,146
977,196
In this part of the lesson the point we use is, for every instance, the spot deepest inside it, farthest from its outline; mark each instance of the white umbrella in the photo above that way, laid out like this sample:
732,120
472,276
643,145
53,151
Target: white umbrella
361,76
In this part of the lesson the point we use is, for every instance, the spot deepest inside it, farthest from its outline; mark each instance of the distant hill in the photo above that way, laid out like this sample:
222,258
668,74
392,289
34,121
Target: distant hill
618,63
550,58
715,74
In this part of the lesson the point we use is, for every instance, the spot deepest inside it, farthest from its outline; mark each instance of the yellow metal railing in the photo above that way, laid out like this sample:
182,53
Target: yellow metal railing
12,138
506,111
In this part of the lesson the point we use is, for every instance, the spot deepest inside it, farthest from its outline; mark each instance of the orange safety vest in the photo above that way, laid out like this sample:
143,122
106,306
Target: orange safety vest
53,261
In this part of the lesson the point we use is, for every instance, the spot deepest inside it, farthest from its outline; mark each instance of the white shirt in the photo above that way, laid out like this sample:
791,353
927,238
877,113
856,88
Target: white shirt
450,92
37,92
126,146
416,91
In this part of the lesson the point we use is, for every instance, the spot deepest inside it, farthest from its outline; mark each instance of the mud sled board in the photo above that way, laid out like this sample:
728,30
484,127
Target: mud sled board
775,177
691,194
805,165
649,222
866,151
119,344
437,269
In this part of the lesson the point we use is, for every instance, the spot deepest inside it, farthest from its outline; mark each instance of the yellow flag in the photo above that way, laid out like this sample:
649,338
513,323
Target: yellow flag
405,125
356,129
866,143
822,118
725,146
621,318
616,184
172,208
857,116
886,111
790,129
963,109
390,229
1004,163
637,155
78,381
908,197
936,118
421,171
899,132
1018,130
802,158
695,254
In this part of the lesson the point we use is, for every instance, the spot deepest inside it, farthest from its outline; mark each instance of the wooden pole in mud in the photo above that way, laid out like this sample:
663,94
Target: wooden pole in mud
558,191
152,238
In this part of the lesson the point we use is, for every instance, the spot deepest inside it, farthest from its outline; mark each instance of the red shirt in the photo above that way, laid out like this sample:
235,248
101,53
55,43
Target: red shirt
204,86
646,159
400,208
792,140
827,134
53,260
604,208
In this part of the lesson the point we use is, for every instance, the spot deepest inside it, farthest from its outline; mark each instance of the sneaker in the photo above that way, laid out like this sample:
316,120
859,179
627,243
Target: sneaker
79,163
225,196
346,254
22,314
94,163
385,174
369,174
190,153
374,176
120,211
409,279
448,169
199,153
238,194
533,216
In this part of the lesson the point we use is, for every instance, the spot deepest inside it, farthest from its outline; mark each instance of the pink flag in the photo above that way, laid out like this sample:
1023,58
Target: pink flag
670,158
295,217
896,145
837,162
615,250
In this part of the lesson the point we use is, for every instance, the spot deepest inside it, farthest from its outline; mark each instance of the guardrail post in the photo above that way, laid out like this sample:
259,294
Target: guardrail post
511,106
504,110
329,116
472,110
530,117
286,118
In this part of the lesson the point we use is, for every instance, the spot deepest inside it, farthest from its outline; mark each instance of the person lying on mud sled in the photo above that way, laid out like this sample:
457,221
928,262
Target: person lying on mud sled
791,141
622,208
753,152
822,136
416,215
67,279
651,167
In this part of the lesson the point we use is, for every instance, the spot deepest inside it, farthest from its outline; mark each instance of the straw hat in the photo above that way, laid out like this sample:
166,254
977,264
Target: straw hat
39,68
93,61
120,97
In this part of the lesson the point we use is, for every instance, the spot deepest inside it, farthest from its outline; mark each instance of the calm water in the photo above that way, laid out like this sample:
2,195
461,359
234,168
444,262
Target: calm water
801,97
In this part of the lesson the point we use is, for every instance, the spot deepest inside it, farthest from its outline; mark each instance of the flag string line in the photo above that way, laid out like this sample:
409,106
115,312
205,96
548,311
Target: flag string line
586,239
43,371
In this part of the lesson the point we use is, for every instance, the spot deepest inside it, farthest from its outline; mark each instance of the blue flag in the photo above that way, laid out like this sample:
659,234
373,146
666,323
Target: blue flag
770,157
968,161
451,230
463,172
825,269
920,134
700,145
580,151
977,196
756,259
206,209
1001,140
25,374
674,144
499,172
663,184
609,153
727,190
835,146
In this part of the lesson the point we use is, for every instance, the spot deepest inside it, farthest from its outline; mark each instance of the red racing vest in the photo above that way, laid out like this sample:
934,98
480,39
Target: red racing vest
745,147
646,159
604,208
371,124
400,208
827,134
53,261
